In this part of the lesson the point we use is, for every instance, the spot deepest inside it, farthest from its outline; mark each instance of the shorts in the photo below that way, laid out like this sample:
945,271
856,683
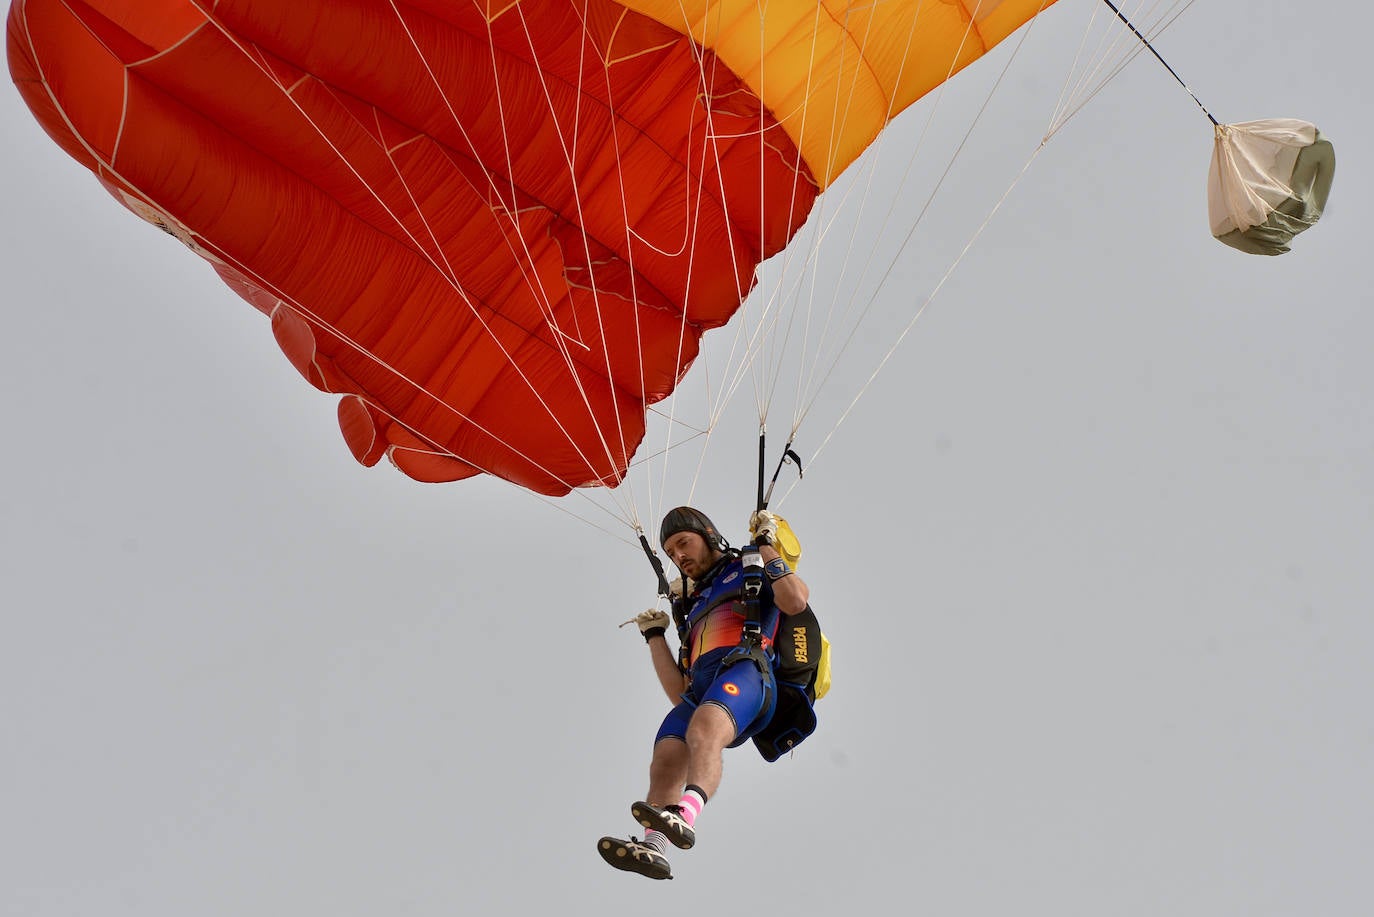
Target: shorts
739,690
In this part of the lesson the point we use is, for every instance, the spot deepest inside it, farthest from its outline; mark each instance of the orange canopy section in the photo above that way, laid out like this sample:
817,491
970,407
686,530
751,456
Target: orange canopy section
499,233
835,72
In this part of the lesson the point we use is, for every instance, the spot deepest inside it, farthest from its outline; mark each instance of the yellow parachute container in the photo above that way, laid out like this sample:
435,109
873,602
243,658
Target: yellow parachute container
789,546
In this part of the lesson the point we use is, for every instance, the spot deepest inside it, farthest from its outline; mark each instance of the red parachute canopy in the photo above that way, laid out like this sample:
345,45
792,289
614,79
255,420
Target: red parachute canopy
498,231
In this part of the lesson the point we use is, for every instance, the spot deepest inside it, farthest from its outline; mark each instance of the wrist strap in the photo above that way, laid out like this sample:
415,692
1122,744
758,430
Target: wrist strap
776,569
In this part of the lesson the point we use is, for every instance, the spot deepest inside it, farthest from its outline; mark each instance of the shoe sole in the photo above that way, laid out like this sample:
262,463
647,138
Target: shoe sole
617,853
653,819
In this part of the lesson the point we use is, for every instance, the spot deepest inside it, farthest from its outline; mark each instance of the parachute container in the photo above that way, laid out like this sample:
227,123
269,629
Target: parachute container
1269,181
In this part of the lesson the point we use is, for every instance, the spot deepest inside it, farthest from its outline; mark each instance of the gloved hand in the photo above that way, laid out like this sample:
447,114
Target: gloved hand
763,527
678,587
652,622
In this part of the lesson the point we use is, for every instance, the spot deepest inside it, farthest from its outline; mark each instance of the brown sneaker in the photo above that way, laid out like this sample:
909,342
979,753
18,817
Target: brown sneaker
666,820
634,856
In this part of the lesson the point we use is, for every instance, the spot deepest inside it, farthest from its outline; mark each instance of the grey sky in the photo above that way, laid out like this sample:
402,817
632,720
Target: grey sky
1094,553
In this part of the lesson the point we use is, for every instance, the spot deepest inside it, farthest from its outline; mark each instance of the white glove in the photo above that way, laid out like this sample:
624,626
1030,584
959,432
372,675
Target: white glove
652,622
763,527
678,587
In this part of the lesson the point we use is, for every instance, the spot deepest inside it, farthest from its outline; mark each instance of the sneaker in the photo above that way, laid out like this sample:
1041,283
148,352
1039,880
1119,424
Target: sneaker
666,820
634,856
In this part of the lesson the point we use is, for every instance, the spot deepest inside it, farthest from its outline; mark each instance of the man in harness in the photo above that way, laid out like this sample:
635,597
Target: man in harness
727,615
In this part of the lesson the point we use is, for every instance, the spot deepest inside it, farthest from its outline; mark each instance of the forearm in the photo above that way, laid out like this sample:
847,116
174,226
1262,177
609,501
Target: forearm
790,592
665,667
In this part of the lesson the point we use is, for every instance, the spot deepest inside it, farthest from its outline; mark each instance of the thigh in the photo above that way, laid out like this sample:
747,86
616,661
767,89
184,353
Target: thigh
674,725
740,691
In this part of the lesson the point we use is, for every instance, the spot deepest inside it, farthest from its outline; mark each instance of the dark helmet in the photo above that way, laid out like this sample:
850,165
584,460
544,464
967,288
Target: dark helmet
686,519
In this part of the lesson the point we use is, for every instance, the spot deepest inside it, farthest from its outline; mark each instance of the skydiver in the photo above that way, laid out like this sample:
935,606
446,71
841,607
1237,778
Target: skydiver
716,706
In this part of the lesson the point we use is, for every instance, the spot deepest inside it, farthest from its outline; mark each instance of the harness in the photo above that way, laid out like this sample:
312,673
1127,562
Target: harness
788,717
744,585
751,646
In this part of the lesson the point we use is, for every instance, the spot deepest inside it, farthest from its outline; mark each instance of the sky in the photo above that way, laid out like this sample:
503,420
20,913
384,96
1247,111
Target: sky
1093,552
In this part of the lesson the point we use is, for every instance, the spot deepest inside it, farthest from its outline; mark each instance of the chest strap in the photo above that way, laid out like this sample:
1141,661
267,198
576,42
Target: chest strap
751,645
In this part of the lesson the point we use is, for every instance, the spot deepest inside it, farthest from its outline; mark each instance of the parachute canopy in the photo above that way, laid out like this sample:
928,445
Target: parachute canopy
498,231
1269,181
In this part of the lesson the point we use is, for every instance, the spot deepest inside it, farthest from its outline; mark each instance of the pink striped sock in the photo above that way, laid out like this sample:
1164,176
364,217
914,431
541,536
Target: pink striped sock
691,804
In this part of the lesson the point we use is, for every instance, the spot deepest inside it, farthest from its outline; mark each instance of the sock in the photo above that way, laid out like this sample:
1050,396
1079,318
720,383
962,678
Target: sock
657,840
691,804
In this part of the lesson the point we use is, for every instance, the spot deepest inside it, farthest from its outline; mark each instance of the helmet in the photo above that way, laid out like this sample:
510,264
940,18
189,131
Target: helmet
687,519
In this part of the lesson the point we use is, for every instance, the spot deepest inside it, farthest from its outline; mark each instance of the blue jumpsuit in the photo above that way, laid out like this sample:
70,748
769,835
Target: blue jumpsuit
709,630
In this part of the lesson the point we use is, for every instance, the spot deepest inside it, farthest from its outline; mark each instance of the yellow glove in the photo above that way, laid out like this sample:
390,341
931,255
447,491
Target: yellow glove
779,534
763,527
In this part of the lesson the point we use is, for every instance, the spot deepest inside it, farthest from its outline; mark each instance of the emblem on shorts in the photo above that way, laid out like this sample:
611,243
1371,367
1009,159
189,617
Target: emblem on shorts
731,688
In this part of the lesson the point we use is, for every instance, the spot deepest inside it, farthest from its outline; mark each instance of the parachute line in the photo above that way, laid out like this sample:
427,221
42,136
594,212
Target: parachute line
920,311
541,214
1111,44
1151,48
